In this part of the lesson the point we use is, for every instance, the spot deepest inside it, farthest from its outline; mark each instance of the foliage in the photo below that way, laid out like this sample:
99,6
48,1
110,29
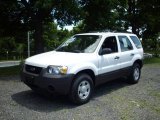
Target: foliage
151,21
153,44
42,17
9,22
34,14
53,37
7,44
100,15
20,50
39,13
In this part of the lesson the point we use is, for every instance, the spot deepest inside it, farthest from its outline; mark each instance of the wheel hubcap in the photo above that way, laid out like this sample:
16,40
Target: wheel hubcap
136,73
84,89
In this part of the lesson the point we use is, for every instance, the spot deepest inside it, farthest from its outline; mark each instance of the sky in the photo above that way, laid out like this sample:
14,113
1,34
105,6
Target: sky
70,27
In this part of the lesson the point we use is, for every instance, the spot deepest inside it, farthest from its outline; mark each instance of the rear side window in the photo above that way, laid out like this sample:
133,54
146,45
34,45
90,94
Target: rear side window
136,41
125,44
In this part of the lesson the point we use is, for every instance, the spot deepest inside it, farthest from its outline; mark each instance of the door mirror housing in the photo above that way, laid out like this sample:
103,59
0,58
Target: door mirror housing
105,51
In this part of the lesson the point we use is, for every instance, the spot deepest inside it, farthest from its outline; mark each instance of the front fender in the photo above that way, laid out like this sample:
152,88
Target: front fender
84,66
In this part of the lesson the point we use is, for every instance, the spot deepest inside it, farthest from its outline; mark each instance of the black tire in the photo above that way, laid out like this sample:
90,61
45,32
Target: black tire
82,83
135,74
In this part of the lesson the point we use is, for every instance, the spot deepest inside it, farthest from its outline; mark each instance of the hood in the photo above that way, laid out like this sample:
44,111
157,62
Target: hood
57,58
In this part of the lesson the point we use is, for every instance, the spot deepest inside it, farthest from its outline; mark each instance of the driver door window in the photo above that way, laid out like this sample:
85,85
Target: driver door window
110,43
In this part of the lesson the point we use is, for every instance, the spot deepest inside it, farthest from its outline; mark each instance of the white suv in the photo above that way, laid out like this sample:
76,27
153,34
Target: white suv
83,62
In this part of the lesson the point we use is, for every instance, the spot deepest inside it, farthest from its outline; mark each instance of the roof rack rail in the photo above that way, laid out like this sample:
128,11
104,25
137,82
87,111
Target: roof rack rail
108,30
100,31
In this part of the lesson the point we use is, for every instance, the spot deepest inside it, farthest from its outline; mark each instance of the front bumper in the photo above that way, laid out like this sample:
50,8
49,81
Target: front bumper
52,83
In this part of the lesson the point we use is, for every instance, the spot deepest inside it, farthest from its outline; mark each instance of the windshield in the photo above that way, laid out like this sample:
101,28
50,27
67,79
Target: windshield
80,44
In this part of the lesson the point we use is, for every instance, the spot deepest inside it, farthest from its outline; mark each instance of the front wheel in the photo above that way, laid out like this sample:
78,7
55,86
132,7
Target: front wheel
82,89
135,74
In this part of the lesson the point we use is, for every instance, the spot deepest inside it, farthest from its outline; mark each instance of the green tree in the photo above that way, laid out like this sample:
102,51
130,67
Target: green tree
20,16
151,16
38,13
9,22
52,36
78,28
20,50
100,15
151,21
7,44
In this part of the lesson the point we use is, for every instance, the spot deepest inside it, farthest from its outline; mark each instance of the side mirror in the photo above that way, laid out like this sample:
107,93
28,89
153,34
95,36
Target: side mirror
105,51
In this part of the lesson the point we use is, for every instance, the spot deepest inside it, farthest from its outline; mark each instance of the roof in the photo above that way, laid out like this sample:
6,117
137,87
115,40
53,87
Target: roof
106,33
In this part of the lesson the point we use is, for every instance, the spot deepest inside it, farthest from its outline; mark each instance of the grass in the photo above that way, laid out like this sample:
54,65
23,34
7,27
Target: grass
10,71
145,103
153,60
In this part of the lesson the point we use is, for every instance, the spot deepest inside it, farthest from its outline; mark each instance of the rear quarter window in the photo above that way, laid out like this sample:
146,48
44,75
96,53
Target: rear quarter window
136,41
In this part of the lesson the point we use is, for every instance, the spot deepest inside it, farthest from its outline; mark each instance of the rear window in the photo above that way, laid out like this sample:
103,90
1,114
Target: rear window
136,41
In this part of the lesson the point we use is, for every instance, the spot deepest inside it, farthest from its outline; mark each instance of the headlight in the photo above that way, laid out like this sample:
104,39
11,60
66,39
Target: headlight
57,69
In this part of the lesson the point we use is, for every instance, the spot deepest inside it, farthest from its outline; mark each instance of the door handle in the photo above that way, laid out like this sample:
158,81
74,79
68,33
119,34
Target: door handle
116,58
132,54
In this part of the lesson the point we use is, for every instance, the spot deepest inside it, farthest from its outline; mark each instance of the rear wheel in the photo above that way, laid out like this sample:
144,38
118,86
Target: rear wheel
135,74
82,89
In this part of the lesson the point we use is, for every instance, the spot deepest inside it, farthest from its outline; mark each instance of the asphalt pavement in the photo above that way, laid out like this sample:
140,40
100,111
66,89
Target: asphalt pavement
114,100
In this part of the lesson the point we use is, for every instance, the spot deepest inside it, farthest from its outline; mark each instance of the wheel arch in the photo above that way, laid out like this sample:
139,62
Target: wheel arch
88,72
140,62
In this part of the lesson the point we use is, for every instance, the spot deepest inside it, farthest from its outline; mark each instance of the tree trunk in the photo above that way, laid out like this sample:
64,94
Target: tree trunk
38,37
131,12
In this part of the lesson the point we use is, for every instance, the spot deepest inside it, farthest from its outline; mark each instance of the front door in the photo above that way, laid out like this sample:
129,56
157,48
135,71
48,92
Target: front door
109,63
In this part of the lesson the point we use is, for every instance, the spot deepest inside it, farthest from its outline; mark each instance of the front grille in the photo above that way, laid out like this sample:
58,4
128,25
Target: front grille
33,69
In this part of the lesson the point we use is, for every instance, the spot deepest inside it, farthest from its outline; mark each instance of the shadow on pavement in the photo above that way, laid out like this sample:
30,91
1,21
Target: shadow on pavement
37,102
109,87
42,103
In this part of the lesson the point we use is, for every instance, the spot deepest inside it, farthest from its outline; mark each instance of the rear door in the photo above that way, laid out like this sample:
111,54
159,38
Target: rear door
127,52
